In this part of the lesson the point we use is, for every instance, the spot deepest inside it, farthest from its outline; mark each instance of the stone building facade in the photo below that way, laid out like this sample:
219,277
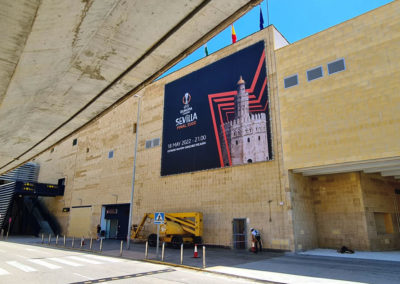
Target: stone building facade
332,133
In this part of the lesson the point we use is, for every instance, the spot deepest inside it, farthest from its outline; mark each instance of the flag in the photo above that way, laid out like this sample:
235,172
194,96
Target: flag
206,49
233,34
261,20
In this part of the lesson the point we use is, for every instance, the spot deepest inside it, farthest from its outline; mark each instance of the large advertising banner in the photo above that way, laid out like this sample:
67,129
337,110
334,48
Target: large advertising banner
218,116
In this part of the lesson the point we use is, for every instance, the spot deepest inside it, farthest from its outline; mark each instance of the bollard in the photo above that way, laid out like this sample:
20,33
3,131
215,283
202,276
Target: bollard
49,239
146,250
204,256
42,238
82,242
65,242
101,244
162,251
2,233
91,243
7,236
73,242
57,240
182,253
120,249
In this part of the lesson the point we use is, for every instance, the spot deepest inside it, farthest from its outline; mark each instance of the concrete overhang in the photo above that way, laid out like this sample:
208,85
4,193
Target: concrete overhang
62,63
387,167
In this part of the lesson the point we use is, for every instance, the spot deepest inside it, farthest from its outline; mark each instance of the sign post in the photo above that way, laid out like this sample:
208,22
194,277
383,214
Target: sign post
159,218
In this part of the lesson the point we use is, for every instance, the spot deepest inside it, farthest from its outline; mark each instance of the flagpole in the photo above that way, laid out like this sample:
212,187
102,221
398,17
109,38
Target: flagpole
267,13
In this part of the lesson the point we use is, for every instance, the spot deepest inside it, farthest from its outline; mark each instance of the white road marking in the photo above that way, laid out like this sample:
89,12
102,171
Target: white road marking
64,261
21,266
83,276
105,258
44,263
29,249
84,259
3,272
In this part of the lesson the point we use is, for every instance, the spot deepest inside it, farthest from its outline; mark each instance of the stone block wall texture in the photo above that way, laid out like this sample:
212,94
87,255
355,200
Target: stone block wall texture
304,215
379,197
337,210
253,191
351,115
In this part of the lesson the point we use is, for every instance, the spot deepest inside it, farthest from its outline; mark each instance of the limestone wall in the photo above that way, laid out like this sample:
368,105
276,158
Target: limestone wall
350,115
382,203
254,191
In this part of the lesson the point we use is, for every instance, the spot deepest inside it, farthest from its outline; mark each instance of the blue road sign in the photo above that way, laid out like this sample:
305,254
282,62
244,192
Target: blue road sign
159,218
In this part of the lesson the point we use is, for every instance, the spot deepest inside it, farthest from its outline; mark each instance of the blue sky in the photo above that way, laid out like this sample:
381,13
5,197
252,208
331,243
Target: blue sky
293,18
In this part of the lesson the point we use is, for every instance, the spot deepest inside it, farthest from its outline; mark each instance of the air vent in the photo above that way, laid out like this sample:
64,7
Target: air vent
291,81
315,73
336,66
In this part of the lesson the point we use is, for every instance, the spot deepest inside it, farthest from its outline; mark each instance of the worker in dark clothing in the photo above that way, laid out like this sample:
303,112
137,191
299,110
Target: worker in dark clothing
98,231
256,238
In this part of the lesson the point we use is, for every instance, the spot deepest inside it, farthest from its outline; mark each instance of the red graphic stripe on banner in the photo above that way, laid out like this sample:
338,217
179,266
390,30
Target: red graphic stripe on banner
260,64
227,113
224,132
224,94
216,133
224,100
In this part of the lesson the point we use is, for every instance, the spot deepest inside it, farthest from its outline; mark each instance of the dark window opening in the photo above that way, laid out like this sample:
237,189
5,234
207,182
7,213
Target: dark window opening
291,81
315,73
249,161
237,143
248,139
61,181
75,141
111,154
134,127
259,138
336,66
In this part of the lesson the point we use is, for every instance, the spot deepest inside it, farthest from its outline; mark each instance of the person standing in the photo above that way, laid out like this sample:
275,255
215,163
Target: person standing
98,228
256,238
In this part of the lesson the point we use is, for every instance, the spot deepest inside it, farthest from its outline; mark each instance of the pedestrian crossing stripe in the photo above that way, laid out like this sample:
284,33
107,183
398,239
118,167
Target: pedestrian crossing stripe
3,272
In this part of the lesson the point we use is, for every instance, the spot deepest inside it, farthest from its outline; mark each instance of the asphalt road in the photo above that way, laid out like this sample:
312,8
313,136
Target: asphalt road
21,263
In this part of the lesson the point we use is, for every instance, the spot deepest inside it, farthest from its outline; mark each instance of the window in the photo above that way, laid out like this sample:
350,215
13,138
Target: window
315,73
156,142
75,141
291,81
111,154
61,181
148,144
152,143
336,66
52,150
134,127
237,143
248,140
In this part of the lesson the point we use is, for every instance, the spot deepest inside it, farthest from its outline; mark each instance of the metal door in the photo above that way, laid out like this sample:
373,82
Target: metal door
239,233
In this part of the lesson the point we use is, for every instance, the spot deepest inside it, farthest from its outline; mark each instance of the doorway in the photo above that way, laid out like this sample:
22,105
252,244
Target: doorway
111,228
239,233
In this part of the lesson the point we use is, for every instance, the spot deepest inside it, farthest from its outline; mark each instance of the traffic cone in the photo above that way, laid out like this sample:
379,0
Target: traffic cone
253,247
195,254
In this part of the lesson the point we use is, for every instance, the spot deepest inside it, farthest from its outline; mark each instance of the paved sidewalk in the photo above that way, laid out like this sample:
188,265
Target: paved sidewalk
316,266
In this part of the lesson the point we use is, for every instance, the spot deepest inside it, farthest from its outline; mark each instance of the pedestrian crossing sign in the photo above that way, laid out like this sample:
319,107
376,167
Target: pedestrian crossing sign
159,218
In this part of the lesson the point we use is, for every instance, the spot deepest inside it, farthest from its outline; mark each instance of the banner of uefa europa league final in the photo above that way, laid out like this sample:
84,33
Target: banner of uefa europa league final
218,116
